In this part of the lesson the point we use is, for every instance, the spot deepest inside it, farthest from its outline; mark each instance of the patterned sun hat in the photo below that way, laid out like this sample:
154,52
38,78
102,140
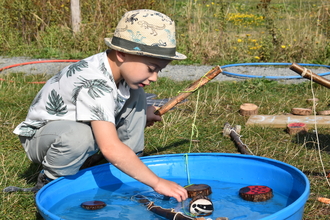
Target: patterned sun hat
147,33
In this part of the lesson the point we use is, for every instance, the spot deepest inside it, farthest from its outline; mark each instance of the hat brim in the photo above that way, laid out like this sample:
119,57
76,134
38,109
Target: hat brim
178,56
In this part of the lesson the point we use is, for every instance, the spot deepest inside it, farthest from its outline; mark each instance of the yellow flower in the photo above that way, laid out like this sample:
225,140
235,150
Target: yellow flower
239,40
256,57
283,46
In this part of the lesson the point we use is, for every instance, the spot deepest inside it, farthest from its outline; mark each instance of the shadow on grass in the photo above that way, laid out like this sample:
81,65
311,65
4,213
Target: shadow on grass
165,148
31,173
311,141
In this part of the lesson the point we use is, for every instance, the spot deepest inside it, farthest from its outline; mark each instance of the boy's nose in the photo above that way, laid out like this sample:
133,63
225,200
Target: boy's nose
153,77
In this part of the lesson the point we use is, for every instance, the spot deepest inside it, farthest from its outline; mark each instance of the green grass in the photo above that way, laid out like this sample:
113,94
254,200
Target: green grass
217,103
208,32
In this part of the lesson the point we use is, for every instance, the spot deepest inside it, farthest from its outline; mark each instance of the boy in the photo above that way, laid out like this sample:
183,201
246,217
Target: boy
99,104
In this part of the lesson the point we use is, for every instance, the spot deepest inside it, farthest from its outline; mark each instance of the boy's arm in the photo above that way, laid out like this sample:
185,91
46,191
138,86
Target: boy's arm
120,155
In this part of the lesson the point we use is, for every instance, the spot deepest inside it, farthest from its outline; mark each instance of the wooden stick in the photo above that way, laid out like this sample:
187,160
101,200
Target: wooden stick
189,90
308,74
324,200
236,138
166,213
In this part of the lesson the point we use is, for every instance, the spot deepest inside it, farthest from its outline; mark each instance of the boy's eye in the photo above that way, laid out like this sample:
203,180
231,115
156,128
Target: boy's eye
151,70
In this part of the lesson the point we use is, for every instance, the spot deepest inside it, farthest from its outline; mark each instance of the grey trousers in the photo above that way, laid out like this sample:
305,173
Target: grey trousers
63,146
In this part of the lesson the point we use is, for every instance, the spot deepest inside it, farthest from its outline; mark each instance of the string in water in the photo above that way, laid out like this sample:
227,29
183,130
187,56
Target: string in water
193,131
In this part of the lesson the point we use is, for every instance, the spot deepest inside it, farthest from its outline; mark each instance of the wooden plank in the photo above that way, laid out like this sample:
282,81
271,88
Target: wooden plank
281,121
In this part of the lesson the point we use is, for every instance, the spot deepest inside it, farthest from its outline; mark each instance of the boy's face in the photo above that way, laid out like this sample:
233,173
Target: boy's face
140,71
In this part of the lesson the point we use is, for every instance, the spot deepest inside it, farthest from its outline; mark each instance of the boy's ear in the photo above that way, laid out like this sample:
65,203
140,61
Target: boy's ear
120,56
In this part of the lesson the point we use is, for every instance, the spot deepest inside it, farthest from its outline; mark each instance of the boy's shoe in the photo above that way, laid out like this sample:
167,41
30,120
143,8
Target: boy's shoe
42,180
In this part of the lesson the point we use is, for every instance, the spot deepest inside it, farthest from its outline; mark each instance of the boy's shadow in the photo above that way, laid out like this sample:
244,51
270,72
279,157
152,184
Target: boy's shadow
31,173
311,140
314,142
172,145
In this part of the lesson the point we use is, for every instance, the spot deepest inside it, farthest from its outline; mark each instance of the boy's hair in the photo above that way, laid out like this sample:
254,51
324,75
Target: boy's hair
147,33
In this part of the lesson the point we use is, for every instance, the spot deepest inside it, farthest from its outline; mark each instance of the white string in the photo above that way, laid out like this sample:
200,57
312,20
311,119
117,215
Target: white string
316,132
304,72
177,213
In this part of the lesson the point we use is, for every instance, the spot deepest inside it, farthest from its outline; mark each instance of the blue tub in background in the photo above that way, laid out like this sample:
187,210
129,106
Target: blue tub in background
225,173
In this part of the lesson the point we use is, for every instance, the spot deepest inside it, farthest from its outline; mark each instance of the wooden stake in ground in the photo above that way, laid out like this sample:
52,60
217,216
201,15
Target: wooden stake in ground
248,109
301,111
189,90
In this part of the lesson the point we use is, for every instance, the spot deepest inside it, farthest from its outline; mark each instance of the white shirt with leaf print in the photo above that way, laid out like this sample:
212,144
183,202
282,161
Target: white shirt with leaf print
83,91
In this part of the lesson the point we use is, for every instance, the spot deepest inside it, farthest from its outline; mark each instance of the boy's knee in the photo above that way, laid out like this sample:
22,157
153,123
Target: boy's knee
79,138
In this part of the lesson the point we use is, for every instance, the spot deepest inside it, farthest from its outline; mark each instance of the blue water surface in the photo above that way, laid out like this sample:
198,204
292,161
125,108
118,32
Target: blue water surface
121,203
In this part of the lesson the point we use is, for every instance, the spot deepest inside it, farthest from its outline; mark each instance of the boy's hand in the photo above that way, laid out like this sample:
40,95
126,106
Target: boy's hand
172,189
151,116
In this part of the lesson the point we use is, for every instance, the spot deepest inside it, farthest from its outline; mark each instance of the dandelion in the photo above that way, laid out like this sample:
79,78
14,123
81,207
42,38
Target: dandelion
207,5
283,46
256,57
239,40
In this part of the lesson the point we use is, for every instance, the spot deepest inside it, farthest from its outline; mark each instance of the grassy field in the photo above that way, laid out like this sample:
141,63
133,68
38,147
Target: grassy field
217,103
208,32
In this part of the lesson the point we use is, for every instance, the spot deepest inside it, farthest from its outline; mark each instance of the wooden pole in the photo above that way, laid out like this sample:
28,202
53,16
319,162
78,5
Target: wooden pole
75,16
308,74
189,90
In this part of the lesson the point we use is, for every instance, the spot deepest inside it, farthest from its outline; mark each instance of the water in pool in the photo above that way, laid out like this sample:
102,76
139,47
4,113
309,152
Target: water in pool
120,203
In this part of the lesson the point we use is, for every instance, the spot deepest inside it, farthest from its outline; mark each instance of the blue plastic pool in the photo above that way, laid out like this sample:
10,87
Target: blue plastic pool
225,173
